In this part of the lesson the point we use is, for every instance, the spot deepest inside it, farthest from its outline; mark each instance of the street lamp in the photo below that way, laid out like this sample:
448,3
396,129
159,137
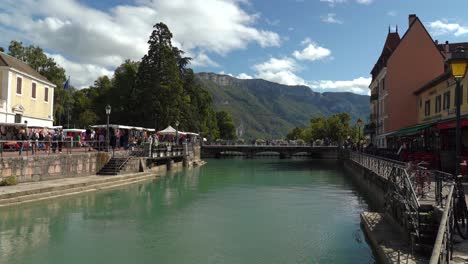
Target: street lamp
359,124
458,63
108,111
177,132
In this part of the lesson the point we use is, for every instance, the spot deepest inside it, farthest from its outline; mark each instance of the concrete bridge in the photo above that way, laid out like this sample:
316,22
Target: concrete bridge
249,151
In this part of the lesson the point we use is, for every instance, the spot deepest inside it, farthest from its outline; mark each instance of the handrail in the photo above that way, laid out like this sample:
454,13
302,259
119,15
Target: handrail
442,251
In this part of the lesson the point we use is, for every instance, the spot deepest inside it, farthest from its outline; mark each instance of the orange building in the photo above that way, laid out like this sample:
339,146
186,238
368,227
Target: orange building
415,61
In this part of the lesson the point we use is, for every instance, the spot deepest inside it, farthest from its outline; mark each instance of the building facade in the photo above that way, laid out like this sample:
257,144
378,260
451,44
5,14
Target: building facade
379,94
413,61
25,95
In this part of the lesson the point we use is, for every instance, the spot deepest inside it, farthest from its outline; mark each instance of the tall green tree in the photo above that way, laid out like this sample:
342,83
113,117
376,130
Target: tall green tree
159,84
335,128
227,128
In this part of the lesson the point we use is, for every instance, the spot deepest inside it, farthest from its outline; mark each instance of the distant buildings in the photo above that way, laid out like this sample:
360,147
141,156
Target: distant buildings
25,95
413,99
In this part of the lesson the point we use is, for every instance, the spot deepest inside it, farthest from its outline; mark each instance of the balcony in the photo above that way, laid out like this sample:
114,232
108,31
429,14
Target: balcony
369,129
374,97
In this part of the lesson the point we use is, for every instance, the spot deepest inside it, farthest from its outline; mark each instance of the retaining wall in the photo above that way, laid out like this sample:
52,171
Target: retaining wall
41,167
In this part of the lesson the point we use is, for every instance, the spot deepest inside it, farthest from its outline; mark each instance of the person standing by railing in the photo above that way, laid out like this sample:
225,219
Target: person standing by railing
47,139
21,138
34,138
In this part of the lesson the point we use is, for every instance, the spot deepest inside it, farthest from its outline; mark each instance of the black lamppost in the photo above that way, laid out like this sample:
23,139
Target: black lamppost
177,132
458,63
108,111
359,124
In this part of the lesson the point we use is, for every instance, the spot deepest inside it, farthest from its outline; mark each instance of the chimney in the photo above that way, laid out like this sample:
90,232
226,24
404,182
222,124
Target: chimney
411,19
436,42
447,47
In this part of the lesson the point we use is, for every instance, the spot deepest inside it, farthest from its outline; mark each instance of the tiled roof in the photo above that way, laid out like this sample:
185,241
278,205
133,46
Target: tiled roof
391,43
9,61
453,46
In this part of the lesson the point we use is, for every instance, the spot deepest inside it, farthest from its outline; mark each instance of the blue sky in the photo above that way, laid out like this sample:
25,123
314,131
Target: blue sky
329,45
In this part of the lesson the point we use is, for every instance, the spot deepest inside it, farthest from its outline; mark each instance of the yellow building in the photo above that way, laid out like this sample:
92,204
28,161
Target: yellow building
25,95
437,100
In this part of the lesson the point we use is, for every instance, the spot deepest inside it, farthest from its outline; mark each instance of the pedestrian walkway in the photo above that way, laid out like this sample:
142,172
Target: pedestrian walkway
387,241
42,190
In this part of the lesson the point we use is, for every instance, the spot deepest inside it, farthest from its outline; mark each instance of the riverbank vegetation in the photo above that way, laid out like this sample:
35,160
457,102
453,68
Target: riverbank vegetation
335,128
154,92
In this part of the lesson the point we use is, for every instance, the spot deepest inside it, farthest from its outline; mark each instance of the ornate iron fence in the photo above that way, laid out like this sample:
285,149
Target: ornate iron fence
443,246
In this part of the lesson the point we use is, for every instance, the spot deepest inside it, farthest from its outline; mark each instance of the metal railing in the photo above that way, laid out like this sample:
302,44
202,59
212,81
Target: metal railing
159,151
10,148
400,191
443,246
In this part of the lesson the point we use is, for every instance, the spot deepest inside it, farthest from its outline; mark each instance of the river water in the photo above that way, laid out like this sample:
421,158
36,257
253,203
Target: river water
228,211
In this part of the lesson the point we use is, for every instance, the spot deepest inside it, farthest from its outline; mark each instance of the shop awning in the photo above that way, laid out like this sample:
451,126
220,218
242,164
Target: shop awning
411,130
453,124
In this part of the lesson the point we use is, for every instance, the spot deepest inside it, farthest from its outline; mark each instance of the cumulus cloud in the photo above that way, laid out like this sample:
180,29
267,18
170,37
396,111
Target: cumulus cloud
244,76
443,27
359,85
81,74
331,18
282,70
88,36
312,51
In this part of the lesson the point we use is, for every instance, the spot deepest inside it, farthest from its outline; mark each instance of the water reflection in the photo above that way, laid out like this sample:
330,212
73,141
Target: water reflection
230,211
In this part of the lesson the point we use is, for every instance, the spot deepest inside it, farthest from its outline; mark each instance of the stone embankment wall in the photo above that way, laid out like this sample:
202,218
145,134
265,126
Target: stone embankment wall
372,185
40,167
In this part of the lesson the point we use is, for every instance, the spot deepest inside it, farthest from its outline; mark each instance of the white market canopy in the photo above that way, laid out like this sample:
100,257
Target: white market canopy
75,130
124,127
170,131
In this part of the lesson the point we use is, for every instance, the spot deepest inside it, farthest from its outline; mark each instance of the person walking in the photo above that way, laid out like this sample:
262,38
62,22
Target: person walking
60,140
47,139
21,138
34,138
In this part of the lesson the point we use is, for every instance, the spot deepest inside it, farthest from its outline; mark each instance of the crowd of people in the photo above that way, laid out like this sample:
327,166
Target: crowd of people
55,140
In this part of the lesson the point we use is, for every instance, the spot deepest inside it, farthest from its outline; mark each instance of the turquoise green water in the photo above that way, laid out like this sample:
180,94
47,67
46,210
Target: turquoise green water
228,211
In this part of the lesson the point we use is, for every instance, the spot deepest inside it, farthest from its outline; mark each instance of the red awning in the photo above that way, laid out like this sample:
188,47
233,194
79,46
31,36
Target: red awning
463,123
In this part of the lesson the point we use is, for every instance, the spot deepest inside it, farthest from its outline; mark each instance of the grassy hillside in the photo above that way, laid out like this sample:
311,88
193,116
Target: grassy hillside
263,109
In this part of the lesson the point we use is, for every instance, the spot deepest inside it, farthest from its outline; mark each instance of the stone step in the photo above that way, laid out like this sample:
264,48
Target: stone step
62,187
75,190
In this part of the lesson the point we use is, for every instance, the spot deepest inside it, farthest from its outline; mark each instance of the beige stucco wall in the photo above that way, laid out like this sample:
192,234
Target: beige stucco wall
440,89
36,108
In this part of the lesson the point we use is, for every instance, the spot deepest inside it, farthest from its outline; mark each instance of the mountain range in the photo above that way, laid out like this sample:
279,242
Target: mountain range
264,109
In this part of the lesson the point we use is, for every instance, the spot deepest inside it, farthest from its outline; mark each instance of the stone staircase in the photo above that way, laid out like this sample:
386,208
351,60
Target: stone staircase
114,166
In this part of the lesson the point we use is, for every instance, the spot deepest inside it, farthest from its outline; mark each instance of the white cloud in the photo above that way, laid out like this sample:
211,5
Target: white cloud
442,27
81,75
331,18
312,52
88,36
202,60
272,22
332,3
364,2
244,76
280,71
359,85
391,13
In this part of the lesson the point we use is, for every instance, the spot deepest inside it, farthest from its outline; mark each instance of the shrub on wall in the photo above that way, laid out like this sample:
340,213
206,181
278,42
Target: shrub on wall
8,181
